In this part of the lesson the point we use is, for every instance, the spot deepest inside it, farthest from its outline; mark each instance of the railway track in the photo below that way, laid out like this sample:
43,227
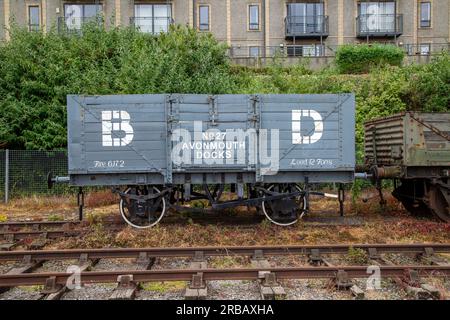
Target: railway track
110,253
15,232
28,279
198,274
34,224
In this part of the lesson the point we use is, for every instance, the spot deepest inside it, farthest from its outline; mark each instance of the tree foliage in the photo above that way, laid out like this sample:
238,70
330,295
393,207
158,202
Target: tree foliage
37,71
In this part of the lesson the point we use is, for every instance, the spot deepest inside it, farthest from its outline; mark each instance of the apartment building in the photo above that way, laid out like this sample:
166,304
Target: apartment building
255,27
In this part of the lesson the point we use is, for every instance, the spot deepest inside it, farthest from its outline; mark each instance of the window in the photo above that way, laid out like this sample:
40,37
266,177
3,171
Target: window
76,14
33,18
152,18
305,17
253,17
314,50
425,49
254,52
425,14
203,18
377,16
409,48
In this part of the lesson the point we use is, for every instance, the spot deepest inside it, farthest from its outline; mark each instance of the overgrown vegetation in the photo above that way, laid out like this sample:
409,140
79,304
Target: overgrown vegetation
362,58
356,256
384,91
37,72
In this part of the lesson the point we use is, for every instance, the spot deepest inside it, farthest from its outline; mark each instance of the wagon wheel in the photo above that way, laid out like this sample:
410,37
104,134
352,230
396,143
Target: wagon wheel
143,214
439,202
286,211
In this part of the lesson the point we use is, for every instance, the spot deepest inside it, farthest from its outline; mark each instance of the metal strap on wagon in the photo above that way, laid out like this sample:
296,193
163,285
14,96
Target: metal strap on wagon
254,122
431,127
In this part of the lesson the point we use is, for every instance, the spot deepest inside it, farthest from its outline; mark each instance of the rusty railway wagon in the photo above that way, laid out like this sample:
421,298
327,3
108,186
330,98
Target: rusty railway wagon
159,152
413,149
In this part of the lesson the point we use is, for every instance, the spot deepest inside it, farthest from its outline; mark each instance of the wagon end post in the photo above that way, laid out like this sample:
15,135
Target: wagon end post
80,203
341,198
307,194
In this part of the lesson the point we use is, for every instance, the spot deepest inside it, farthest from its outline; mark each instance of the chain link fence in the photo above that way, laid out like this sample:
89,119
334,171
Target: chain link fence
24,172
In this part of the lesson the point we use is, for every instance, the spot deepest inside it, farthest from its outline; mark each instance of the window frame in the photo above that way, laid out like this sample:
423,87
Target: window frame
249,22
380,22
199,25
168,17
83,4
304,50
425,45
30,26
430,8
83,15
306,22
250,51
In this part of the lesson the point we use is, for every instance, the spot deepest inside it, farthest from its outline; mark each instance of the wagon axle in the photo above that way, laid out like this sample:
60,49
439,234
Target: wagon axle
282,204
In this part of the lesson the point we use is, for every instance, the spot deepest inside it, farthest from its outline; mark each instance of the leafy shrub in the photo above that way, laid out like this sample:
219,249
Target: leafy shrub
37,71
429,85
361,58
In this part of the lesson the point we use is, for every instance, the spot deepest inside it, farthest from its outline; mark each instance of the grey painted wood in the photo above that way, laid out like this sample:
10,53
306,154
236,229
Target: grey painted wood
154,118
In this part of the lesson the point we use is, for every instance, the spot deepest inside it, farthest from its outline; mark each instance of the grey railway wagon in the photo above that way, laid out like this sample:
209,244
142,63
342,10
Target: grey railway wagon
163,139
159,152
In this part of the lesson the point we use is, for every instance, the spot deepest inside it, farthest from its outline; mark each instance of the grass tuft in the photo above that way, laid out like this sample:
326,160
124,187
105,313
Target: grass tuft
163,287
356,256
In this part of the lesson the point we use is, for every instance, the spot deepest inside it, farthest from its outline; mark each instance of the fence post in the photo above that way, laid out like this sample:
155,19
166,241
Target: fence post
6,176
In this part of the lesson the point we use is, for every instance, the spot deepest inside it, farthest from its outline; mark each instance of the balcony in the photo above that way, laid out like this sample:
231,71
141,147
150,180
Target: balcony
379,25
306,26
152,25
75,24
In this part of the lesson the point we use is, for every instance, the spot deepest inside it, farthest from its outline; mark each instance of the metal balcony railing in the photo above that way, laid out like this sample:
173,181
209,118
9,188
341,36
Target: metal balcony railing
379,25
75,24
306,26
153,25
307,50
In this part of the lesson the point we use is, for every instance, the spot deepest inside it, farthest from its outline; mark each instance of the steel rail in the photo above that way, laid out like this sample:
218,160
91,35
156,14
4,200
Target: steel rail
109,253
27,279
50,234
16,224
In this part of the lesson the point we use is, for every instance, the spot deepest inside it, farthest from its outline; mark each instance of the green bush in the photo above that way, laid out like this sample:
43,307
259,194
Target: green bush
37,71
362,58
429,85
